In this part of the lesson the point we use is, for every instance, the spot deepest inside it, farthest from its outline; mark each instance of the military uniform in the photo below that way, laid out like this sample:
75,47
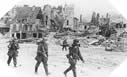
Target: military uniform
73,56
109,46
12,52
42,56
65,45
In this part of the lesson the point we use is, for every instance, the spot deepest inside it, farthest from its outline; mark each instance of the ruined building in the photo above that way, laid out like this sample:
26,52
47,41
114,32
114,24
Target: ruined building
104,20
27,23
47,15
68,13
76,23
95,19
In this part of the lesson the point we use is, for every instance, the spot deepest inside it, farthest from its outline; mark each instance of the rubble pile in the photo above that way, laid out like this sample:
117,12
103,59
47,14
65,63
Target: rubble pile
1,35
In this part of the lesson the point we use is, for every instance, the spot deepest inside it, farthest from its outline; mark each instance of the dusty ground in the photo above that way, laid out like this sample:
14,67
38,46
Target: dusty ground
98,62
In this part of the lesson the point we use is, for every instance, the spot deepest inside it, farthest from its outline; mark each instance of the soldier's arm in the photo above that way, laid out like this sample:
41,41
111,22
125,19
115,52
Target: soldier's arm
17,45
47,51
46,48
80,56
70,53
9,45
47,54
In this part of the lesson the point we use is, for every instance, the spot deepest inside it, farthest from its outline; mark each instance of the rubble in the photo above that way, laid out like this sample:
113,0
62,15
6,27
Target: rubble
1,35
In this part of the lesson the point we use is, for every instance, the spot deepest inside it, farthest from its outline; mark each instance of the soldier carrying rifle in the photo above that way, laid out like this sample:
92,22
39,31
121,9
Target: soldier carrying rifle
64,45
12,52
42,56
73,56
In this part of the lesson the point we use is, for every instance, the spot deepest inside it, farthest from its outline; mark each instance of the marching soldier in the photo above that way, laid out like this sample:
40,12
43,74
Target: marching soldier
12,52
42,56
65,45
73,56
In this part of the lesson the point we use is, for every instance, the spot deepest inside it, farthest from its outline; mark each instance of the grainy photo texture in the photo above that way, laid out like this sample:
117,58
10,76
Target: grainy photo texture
63,38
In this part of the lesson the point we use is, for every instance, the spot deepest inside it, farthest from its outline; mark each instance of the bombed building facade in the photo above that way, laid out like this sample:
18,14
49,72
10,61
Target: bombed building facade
32,22
68,13
26,23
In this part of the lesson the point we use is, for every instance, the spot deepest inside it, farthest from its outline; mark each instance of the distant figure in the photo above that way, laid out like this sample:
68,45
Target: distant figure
42,56
120,44
109,46
12,52
64,45
73,56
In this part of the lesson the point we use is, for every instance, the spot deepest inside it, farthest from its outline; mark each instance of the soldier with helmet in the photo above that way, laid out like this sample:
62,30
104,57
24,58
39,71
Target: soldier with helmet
42,55
109,46
64,46
13,52
73,56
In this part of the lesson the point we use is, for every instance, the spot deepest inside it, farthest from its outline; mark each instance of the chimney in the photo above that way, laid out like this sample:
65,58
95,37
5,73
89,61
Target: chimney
81,18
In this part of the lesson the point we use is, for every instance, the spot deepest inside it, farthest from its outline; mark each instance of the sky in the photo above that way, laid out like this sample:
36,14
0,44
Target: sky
84,7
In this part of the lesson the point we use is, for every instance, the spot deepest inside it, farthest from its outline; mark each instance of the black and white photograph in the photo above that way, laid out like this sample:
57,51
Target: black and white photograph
63,38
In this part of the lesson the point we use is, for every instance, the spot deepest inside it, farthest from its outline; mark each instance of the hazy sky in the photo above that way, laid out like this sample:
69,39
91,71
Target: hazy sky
85,7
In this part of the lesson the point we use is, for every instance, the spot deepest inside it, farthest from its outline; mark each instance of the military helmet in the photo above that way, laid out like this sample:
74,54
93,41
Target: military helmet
76,40
75,43
13,39
41,40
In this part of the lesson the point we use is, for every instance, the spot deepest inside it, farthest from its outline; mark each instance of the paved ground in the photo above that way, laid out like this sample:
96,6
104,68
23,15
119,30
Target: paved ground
98,63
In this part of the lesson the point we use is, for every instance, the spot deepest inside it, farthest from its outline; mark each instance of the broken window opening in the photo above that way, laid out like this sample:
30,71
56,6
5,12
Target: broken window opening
34,35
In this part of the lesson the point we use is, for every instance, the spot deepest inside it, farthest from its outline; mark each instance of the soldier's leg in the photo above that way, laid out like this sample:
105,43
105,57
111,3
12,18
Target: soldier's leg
74,71
9,60
45,66
36,66
63,48
68,69
14,61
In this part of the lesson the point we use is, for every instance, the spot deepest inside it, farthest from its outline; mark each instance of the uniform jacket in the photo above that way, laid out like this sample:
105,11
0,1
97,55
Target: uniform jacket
13,47
74,54
65,43
42,52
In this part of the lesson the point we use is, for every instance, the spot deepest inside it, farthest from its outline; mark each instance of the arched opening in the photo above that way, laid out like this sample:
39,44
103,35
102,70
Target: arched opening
124,25
67,22
18,35
34,35
12,35
85,27
24,36
39,35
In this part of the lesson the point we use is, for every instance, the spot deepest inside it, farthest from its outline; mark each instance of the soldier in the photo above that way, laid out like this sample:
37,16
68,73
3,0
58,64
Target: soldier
120,44
109,45
64,45
73,56
12,52
42,56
